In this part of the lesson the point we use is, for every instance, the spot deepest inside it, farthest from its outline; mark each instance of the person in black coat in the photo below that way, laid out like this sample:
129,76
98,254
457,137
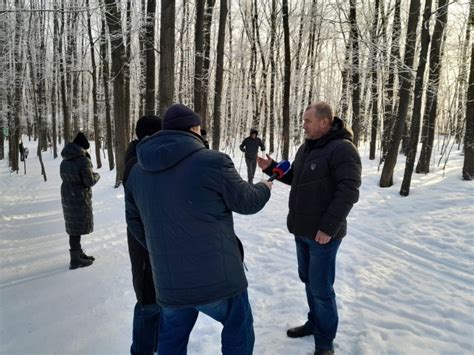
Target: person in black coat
146,315
76,196
180,198
250,147
325,178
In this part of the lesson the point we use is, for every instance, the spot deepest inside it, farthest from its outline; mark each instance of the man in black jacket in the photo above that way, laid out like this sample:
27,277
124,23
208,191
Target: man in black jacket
325,178
146,313
250,147
179,202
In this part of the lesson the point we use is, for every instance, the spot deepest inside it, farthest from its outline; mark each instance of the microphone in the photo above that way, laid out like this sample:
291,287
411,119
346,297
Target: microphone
280,170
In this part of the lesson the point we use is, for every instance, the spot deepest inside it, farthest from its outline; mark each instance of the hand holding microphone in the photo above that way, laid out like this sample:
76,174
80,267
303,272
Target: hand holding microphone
280,170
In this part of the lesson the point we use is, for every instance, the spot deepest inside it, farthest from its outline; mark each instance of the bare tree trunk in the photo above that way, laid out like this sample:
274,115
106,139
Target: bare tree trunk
375,97
386,179
114,21
198,54
150,58
166,82
418,93
393,61
431,107
206,60
271,115
54,93
105,79
95,109
64,75
344,103
355,73
126,70
286,83
468,168
216,132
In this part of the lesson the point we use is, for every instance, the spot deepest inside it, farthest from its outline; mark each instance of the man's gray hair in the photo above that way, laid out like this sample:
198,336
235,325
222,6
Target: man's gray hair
322,110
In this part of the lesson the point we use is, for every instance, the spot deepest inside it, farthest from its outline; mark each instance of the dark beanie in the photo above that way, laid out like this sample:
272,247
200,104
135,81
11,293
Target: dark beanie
147,125
180,117
81,140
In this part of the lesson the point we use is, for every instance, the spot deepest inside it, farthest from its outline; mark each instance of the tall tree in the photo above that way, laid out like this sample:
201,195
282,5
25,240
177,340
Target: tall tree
105,80
431,106
468,168
394,60
206,60
95,109
386,179
114,22
418,96
355,72
216,132
149,53
374,68
198,54
286,83
166,82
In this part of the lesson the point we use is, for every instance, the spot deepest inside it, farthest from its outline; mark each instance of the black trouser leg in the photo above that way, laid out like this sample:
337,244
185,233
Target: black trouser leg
251,166
75,242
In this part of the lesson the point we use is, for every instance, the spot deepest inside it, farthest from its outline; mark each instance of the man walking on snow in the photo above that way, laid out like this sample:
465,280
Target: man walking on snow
325,178
250,147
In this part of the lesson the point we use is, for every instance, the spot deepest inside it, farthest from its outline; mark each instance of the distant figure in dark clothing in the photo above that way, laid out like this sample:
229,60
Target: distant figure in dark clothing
146,315
179,198
250,147
76,197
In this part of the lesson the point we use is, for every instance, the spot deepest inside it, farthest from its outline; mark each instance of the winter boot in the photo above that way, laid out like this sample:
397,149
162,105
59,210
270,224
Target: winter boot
76,260
86,257
301,331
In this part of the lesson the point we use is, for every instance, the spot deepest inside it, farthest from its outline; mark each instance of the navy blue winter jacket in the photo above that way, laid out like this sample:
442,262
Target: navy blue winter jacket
179,202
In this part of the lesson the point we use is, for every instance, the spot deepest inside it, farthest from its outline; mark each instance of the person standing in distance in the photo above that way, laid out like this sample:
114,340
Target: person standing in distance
180,198
250,147
146,314
76,197
325,178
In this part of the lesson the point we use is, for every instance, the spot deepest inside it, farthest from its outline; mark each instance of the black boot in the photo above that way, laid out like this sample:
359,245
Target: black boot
301,331
76,260
86,257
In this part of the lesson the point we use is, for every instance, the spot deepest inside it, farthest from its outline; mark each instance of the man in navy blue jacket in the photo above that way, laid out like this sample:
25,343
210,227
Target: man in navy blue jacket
179,202
325,178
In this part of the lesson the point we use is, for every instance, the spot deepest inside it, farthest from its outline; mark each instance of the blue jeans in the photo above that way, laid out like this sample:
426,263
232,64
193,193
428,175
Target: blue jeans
317,269
146,325
234,313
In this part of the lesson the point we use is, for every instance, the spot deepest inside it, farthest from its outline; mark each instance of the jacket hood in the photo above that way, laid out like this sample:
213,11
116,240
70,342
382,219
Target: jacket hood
166,149
72,150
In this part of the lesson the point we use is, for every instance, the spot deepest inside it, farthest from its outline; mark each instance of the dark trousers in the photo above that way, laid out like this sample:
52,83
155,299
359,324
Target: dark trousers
75,242
234,313
251,166
317,269
146,326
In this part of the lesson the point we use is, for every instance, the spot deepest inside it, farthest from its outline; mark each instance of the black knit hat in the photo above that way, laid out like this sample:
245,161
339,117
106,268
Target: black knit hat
180,117
147,125
253,130
81,140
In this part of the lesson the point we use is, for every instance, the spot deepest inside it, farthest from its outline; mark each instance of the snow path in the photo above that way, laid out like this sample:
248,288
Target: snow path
404,279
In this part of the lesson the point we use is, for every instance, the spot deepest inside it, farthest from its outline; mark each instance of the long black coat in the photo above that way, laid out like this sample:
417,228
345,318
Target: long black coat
76,193
325,178
179,202
139,259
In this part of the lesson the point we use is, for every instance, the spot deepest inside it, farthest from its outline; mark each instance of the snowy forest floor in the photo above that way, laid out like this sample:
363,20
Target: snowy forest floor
404,272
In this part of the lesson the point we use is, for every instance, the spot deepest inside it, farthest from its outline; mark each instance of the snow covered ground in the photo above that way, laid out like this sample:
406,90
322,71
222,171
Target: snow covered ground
404,280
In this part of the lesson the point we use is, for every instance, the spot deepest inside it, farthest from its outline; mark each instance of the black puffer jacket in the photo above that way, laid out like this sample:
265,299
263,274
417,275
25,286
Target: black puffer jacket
139,259
325,178
250,147
76,193
179,202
